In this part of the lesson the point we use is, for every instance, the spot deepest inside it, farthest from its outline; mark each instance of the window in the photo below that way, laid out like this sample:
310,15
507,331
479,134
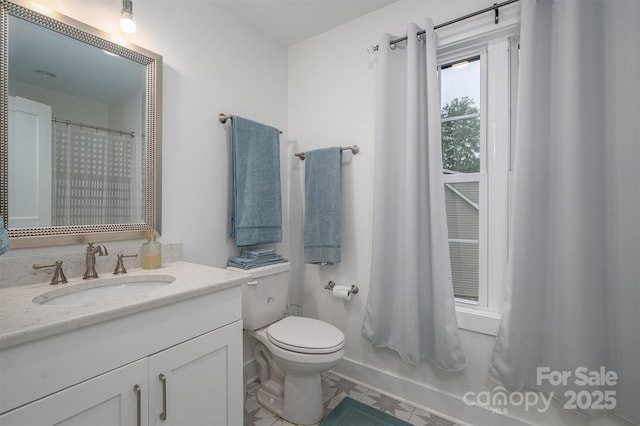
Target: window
462,124
476,89
460,104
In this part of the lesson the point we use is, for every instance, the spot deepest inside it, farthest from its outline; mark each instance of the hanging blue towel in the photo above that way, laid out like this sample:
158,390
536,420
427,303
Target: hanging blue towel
255,202
4,238
323,205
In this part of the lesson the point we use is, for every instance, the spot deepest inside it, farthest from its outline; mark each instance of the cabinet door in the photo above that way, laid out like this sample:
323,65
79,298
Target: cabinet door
109,399
198,382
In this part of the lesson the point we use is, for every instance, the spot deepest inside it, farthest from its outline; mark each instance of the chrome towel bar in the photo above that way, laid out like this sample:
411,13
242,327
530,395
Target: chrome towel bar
355,149
222,117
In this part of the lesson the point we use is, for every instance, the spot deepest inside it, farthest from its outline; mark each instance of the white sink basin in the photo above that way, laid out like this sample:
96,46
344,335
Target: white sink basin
103,289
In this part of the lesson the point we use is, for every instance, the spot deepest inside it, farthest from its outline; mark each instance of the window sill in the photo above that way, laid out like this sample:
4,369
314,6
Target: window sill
477,319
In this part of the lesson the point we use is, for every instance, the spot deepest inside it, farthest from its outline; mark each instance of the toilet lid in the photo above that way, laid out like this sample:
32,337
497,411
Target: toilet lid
305,335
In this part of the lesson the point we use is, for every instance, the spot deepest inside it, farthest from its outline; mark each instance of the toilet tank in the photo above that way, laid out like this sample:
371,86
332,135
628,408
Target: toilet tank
264,295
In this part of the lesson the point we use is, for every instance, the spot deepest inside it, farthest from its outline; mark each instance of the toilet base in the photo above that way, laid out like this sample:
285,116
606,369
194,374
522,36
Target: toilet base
271,402
303,403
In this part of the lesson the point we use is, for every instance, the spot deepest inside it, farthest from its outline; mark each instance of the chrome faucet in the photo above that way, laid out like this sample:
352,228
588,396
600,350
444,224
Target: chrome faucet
90,271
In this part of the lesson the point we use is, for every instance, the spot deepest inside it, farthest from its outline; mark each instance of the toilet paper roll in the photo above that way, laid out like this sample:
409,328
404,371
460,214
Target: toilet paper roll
342,292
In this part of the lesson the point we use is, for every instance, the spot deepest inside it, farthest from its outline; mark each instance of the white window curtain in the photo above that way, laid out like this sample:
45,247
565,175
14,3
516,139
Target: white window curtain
410,306
573,278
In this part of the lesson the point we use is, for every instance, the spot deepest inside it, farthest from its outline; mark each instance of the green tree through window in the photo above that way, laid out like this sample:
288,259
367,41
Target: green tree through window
460,136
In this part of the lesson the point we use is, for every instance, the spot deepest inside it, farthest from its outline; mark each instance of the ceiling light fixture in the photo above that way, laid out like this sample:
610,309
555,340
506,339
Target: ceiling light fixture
126,21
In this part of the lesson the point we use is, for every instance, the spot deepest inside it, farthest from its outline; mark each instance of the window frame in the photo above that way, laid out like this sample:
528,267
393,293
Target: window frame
497,98
480,176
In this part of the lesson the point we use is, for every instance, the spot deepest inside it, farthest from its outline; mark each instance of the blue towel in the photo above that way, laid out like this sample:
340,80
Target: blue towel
250,259
323,205
259,253
255,203
4,238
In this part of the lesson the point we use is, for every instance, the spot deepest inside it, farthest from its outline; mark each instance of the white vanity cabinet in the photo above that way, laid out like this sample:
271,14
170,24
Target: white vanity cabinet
189,384
110,373
109,399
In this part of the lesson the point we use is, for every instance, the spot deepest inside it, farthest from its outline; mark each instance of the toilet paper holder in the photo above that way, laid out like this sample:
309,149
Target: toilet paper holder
331,284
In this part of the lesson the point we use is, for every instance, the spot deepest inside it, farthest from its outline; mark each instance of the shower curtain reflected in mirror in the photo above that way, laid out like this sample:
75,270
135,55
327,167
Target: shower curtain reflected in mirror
96,176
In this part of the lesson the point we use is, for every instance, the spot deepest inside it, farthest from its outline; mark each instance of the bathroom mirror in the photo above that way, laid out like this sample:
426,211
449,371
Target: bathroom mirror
79,131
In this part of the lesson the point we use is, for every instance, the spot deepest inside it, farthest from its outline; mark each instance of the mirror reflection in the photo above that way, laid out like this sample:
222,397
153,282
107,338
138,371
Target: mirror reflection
79,131
76,131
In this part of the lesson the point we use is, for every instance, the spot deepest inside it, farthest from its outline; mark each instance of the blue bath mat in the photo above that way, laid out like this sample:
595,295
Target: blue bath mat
353,413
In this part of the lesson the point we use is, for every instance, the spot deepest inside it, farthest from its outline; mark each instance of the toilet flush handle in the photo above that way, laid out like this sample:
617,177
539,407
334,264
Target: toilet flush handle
254,282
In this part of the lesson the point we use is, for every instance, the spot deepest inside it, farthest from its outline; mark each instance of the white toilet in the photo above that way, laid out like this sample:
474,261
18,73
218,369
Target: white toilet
291,351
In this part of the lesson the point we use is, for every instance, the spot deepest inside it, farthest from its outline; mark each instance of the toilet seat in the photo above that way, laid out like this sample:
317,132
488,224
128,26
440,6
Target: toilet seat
305,335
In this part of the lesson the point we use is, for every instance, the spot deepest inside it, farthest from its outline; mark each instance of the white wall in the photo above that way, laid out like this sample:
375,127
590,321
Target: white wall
213,62
332,102
64,106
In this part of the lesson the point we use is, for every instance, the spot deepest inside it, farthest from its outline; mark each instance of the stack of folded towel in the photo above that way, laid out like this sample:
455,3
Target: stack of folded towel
250,259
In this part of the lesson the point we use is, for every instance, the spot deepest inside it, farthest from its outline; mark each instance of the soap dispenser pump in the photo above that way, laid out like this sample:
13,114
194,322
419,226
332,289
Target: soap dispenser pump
151,252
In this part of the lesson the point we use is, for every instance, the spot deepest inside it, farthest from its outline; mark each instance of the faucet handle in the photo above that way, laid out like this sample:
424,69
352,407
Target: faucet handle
58,275
120,269
100,249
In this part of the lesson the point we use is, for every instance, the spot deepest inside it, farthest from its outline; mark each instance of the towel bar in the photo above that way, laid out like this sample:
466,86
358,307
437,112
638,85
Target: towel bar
355,149
222,117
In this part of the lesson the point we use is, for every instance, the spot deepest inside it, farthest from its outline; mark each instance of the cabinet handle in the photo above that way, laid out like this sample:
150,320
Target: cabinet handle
137,390
163,379
254,282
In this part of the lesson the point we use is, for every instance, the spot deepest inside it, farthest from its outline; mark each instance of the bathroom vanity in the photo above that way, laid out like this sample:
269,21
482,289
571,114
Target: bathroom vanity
170,354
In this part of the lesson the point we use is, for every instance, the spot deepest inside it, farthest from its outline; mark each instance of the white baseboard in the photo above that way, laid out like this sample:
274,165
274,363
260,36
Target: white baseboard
418,394
443,404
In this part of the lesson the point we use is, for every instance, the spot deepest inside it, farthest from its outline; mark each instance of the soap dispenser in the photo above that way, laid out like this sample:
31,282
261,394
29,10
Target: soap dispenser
151,252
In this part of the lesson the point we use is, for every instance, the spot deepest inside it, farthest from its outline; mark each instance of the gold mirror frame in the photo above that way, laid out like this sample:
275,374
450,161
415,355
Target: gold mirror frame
60,235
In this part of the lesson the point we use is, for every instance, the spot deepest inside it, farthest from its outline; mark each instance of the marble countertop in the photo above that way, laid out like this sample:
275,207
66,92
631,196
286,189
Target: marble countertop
22,320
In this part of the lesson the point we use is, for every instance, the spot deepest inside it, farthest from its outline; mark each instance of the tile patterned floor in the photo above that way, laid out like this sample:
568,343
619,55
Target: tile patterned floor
334,389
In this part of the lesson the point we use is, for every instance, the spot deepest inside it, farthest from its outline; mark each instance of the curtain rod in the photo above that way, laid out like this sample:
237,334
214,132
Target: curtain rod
495,8
89,126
